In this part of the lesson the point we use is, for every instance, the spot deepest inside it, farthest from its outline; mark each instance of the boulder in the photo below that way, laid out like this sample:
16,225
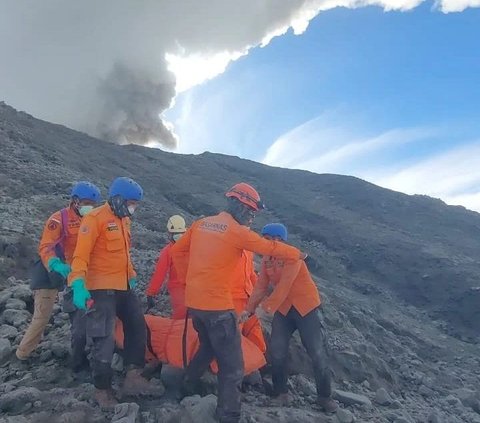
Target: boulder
22,292
382,397
349,398
7,331
18,400
126,413
345,416
201,410
5,349
16,318
15,304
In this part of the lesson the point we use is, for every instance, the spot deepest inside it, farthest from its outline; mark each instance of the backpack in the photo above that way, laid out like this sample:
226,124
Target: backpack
40,277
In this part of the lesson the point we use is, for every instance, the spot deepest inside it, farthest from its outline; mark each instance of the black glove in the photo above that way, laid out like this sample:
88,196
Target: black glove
310,262
150,302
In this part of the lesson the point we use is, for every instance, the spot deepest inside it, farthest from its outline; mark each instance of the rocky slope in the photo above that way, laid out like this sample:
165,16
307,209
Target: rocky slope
396,272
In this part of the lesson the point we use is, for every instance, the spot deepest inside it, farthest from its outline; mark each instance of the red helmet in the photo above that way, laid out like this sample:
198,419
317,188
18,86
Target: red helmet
246,194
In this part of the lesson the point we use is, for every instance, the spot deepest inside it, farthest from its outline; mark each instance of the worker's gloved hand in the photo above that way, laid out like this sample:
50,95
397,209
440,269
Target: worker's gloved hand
132,283
244,316
58,266
80,294
150,302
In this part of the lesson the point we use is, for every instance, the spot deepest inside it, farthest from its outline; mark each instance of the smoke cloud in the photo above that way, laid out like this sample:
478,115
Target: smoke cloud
110,67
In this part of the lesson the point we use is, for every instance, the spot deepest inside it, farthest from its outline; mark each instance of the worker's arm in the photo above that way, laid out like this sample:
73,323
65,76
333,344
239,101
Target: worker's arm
160,273
282,289
52,233
260,291
132,274
87,237
246,239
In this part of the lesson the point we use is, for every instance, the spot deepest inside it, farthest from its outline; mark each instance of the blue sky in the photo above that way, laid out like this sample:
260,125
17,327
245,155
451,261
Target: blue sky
391,97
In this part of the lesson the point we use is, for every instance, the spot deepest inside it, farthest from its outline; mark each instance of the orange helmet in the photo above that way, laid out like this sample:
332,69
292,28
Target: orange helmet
246,194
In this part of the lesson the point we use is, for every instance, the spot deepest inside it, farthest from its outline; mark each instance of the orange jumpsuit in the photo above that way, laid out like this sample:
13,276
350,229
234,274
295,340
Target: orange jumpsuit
52,233
175,284
293,286
44,299
242,287
216,244
102,255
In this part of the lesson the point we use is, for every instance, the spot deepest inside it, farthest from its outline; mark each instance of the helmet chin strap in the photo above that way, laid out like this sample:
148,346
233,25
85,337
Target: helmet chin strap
239,212
119,206
74,205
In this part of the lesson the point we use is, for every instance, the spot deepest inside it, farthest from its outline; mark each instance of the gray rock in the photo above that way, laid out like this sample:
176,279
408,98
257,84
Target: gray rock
126,413
117,362
5,349
425,391
4,297
469,398
382,397
46,355
434,417
15,304
304,385
22,292
349,398
18,400
396,405
15,419
7,331
453,400
201,410
59,350
74,417
345,416
16,318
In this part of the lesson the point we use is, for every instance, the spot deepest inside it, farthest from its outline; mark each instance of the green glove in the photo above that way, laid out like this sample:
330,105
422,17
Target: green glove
80,294
132,283
57,265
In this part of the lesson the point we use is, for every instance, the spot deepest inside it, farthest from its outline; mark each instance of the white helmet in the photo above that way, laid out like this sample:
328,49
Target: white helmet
176,224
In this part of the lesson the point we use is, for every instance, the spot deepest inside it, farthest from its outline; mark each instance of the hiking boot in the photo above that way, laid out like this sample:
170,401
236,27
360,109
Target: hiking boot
135,384
80,365
20,356
282,400
328,404
105,399
191,387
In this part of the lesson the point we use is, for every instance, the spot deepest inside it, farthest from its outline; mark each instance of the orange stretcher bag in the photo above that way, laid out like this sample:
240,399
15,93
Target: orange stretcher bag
165,340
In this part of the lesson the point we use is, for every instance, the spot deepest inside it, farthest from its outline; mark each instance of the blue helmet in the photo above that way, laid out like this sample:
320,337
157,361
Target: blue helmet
126,188
86,191
276,229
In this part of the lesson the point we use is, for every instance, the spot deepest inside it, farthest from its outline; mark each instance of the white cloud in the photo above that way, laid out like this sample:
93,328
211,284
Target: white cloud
105,66
453,176
387,159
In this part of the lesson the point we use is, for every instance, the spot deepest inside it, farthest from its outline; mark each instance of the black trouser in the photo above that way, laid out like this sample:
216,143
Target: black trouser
220,339
313,335
100,321
78,330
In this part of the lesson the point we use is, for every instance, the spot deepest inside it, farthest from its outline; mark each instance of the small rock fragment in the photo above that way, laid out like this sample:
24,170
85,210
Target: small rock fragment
349,398
382,397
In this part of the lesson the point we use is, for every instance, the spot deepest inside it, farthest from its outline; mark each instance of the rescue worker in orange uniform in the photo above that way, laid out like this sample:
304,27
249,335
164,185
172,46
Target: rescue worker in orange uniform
295,304
244,280
56,251
215,245
102,279
176,286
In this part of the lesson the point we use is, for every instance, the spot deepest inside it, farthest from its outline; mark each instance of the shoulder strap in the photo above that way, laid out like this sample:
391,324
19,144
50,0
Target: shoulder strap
59,247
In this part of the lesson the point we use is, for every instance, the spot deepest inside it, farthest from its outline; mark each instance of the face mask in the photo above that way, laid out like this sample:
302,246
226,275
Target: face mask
83,210
131,209
176,237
